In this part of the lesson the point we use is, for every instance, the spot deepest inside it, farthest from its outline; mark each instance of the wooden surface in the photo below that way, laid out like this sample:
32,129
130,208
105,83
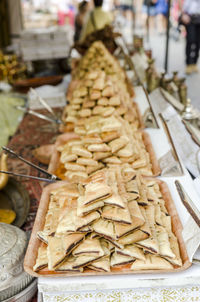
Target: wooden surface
34,242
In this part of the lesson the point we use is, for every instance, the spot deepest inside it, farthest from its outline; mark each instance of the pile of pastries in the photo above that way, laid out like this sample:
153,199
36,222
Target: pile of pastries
102,113
107,216
103,142
99,87
117,218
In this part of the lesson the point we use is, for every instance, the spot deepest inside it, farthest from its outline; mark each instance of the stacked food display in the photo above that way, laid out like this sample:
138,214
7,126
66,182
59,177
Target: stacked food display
109,215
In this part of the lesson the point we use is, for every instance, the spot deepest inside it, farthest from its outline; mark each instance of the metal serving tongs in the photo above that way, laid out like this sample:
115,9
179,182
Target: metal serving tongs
51,177
53,119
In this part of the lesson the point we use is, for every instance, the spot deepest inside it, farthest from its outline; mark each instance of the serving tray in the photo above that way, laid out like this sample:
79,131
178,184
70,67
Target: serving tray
34,243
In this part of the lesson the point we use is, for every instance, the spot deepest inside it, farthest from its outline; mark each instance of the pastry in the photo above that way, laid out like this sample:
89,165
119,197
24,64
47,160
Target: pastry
42,260
151,262
117,259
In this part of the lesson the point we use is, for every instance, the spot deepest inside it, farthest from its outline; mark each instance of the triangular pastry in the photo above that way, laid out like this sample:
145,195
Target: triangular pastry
42,260
90,246
117,259
84,260
151,262
137,220
101,265
67,266
70,222
68,189
83,210
59,247
150,244
115,200
164,244
175,249
43,236
96,191
104,228
116,214
133,237
132,251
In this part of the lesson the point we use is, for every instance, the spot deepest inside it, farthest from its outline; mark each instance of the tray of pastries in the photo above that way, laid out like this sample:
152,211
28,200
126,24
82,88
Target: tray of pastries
102,142
117,222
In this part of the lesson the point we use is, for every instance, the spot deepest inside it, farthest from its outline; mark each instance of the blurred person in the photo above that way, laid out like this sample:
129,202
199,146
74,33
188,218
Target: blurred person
190,18
83,8
66,12
108,5
97,19
128,8
138,13
116,4
161,12
149,7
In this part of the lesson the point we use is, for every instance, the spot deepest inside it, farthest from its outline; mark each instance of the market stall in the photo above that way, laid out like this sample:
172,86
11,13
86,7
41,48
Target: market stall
120,219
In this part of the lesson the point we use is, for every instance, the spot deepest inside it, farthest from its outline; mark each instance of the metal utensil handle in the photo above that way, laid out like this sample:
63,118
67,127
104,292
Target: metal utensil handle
44,117
43,102
52,176
171,141
39,115
150,106
29,176
186,203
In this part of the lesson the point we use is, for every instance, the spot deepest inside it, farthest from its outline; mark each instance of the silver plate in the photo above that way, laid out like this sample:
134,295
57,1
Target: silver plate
26,294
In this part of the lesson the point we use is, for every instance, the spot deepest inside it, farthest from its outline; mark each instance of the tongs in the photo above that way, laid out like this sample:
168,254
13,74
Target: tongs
51,177
52,119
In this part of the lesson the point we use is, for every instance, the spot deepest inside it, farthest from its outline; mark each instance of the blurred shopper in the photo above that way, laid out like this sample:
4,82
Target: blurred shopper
97,19
80,19
138,13
191,19
161,11
66,12
128,9
116,4
149,8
